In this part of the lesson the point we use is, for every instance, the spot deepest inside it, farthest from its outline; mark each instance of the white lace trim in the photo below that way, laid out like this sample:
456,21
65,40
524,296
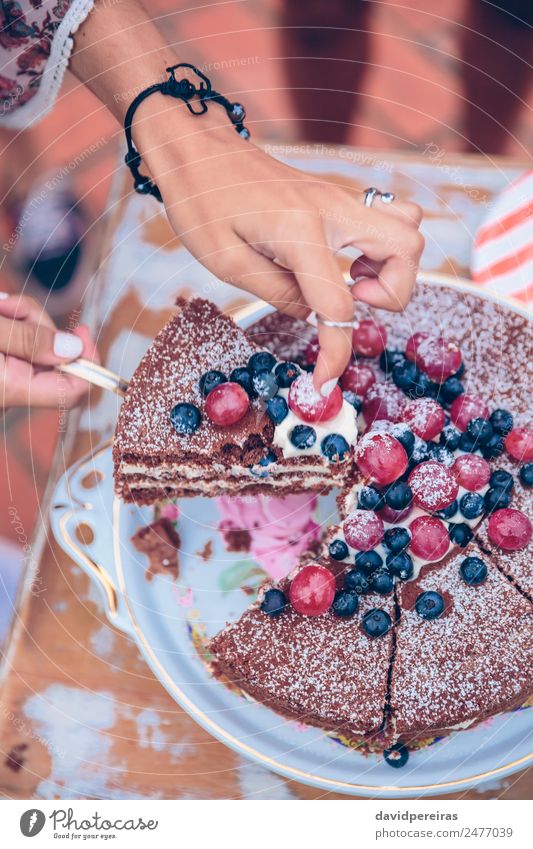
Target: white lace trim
61,48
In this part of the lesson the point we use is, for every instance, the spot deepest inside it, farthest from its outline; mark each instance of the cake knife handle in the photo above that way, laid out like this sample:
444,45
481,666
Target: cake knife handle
95,374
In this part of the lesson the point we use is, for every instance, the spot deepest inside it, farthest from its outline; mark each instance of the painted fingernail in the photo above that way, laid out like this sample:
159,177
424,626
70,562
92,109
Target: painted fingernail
4,296
67,345
327,388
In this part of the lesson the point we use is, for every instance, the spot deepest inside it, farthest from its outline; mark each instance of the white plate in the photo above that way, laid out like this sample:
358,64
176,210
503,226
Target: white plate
169,620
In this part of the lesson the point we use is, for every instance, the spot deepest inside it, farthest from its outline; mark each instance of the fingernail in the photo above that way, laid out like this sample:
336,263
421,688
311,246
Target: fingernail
327,388
67,345
4,295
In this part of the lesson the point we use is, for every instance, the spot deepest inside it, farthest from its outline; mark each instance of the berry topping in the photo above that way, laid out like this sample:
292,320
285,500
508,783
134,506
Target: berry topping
460,534
383,401
368,561
312,590
397,756
369,338
433,486
227,404
472,505
429,538
510,529
286,373
447,512
265,385
438,357
185,418
471,472
479,430
345,604
311,352
425,417
308,405
502,479
262,361
398,495
440,454
334,447
389,358
451,389
526,475
473,571
243,376
357,581
405,375
496,499
210,380
363,530
493,447
369,498
450,437
354,400
467,407
380,457
394,517
405,438
376,622
338,549
502,421
274,602
396,539
400,565
429,605
382,581
302,437
467,444
519,444
413,344
277,409
357,378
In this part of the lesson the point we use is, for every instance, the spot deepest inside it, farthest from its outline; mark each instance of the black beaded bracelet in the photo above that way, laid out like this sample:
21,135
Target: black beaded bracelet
183,90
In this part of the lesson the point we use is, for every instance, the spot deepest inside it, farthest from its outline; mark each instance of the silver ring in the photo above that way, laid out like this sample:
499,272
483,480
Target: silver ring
327,323
372,192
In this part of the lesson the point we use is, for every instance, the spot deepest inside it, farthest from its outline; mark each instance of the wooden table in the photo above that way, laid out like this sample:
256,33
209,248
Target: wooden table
80,713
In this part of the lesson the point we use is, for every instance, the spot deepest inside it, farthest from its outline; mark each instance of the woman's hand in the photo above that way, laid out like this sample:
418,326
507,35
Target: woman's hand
30,347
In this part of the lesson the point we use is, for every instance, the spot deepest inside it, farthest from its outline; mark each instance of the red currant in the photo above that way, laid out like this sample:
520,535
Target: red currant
312,590
380,457
429,538
383,401
467,407
394,517
363,530
434,487
227,404
519,444
438,357
357,378
308,404
412,345
425,417
510,529
471,471
369,338
311,352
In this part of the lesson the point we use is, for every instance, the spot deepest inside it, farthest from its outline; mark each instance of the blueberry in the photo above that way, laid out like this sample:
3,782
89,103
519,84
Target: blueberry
451,389
420,451
262,361
399,495
429,605
185,418
309,367
502,421
277,409
480,430
526,474
302,437
472,505
274,602
389,358
268,459
502,479
493,447
407,439
397,756
460,533
460,371
357,582
334,447
396,539
344,604
369,498
447,512
353,399
496,499
210,380
405,375
265,385
376,622
368,561
286,373
382,582
400,565
440,453
467,444
338,549
421,386
243,376
473,571
450,437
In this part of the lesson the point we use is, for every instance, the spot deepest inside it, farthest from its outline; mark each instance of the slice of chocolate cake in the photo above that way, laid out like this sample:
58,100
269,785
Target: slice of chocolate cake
208,412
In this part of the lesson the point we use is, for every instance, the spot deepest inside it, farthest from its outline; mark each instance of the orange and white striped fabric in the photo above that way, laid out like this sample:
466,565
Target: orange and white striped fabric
502,255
